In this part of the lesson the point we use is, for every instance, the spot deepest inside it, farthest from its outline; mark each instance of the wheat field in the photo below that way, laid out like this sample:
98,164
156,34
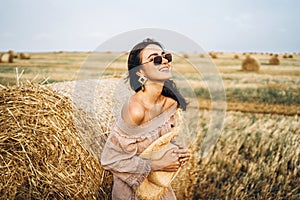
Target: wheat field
258,153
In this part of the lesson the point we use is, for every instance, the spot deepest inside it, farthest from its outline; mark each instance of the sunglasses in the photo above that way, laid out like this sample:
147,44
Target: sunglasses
157,60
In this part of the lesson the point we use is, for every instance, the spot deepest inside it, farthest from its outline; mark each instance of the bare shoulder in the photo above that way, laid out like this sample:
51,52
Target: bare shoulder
133,113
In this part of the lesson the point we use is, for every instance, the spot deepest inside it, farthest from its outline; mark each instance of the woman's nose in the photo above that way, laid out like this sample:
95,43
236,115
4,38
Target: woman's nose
164,60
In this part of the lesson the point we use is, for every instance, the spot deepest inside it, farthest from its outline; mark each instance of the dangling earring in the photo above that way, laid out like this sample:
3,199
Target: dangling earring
142,80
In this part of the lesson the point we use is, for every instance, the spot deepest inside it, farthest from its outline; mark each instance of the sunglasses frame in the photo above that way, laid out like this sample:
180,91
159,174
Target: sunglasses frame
154,60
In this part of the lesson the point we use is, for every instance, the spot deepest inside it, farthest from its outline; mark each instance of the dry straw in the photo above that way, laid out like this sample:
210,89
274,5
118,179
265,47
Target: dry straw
42,156
257,157
250,64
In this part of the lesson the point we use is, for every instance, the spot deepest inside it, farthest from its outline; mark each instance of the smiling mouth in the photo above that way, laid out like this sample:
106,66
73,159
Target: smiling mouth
164,69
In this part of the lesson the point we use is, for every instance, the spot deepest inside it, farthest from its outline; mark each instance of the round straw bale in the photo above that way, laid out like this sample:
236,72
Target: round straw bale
274,60
24,56
213,55
42,156
13,54
201,55
290,56
250,64
236,56
6,58
185,55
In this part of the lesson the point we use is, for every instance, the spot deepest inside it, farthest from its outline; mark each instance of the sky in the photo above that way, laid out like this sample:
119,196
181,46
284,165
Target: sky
215,25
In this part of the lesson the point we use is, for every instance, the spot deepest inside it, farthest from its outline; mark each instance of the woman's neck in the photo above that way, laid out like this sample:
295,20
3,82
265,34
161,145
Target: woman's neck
152,93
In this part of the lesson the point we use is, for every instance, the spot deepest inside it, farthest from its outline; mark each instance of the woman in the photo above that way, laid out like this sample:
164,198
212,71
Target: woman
147,115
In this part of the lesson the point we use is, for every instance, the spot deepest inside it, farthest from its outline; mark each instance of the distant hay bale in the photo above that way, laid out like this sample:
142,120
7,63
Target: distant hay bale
274,60
250,64
13,54
185,55
213,55
6,58
24,56
236,56
287,55
201,55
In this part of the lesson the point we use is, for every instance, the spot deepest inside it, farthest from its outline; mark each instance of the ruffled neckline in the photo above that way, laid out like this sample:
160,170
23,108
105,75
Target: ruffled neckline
148,126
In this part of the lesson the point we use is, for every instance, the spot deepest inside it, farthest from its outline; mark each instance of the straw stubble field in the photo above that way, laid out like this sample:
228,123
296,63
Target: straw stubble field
256,157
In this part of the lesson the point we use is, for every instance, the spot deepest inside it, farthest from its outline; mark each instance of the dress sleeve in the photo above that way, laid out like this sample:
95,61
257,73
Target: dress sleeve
120,155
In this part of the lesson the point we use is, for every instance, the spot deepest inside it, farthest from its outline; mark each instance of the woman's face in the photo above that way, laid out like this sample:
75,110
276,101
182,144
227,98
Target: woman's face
160,72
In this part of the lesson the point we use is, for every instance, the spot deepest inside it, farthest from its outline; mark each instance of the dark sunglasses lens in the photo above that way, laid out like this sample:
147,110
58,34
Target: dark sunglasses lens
168,56
157,60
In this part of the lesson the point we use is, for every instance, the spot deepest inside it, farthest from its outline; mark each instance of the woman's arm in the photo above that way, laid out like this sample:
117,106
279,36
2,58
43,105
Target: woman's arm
120,154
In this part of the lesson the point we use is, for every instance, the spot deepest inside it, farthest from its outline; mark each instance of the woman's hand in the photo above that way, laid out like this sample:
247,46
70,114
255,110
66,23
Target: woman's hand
183,154
172,160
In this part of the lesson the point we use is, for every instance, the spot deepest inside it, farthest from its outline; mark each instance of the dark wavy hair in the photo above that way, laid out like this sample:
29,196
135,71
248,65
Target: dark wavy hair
134,61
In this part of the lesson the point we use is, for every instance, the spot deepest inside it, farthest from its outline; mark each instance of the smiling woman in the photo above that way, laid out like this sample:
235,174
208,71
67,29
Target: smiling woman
147,120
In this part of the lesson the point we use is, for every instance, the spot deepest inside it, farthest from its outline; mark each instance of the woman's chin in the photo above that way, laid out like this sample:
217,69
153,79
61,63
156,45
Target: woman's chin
167,76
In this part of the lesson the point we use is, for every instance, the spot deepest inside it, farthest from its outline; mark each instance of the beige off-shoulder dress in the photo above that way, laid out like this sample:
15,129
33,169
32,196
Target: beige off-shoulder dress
123,147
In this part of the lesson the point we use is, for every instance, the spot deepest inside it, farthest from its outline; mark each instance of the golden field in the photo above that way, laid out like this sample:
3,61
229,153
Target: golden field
258,153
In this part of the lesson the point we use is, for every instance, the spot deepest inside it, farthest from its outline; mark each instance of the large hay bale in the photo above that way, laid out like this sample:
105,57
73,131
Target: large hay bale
274,60
99,102
42,154
24,56
250,64
6,58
